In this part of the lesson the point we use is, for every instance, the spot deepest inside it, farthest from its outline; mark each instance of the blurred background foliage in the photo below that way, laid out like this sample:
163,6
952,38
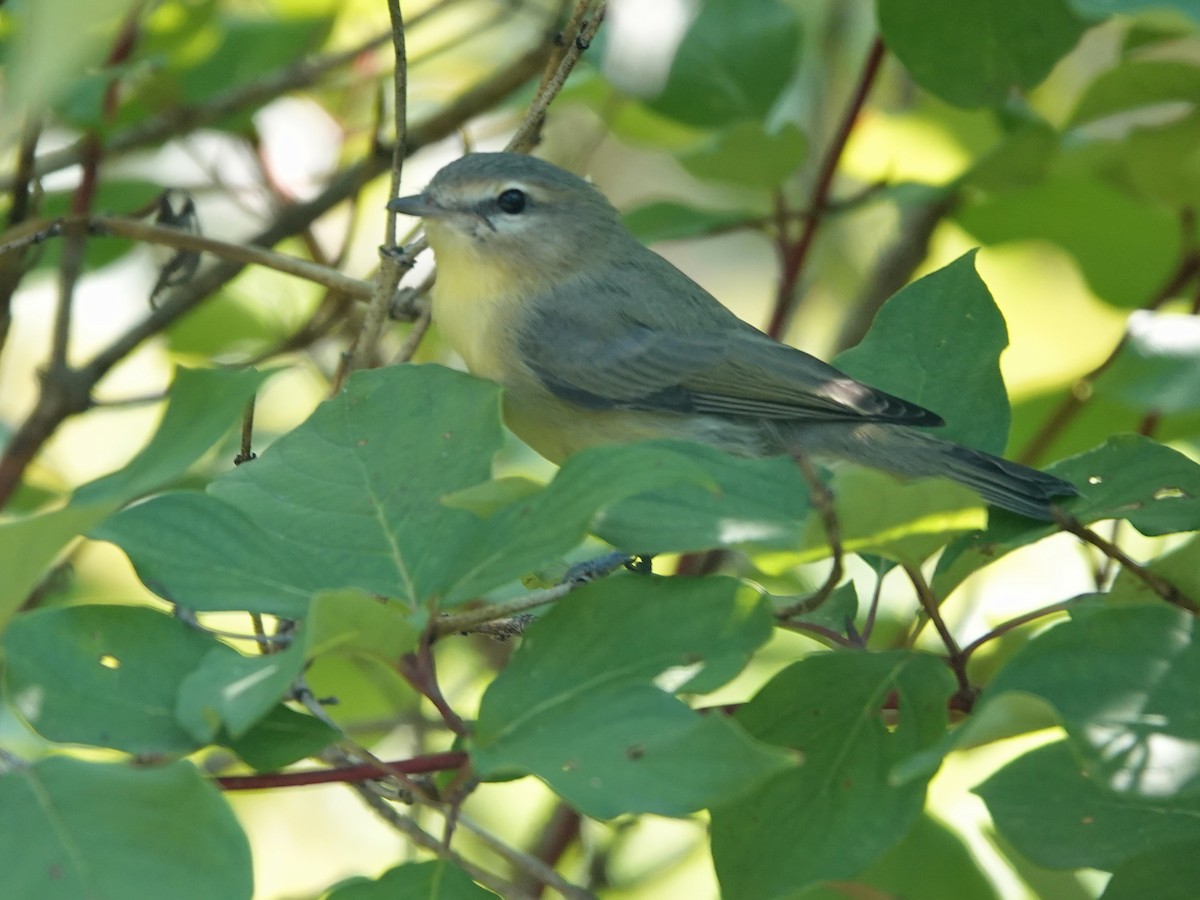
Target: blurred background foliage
804,161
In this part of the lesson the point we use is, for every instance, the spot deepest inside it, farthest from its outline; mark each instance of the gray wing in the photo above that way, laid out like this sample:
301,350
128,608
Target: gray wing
695,356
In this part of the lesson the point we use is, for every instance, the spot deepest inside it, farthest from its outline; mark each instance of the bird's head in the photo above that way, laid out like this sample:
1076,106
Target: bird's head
514,211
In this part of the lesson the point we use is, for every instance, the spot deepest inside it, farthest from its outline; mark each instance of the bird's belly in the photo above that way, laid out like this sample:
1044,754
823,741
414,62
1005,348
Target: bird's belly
556,429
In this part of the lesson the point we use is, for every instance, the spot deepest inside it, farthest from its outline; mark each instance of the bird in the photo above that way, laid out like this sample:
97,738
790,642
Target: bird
596,340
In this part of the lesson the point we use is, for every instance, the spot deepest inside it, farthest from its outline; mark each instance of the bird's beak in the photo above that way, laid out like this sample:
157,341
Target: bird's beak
418,205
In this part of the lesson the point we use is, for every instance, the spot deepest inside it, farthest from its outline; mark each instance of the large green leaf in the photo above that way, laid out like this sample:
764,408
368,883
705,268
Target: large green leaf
203,405
107,831
938,343
1170,871
732,64
839,812
1134,719
1059,817
585,701
666,221
904,870
1101,227
106,676
976,52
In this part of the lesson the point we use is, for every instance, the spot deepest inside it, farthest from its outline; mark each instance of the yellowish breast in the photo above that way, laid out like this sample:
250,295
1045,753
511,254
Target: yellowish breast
475,305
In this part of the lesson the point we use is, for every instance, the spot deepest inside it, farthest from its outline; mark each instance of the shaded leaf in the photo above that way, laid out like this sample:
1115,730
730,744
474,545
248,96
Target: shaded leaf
231,693
1158,366
584,702
840,805
165,827
938,343
733,63
1050,810
106,676
668,221
976,52
1133,720
749,155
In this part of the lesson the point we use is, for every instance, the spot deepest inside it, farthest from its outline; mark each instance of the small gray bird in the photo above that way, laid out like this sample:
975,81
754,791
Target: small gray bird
596,339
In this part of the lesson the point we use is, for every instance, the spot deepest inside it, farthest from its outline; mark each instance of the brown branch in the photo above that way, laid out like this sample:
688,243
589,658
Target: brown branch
392,265
417,765
561,830
21,204
1159,585
795,253
822,500
1016,622
578,35
929,603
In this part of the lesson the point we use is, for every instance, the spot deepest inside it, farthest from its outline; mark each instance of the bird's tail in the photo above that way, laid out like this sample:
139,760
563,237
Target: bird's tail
907,452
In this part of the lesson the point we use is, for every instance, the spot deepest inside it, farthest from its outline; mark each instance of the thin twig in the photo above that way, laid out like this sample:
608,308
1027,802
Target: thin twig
1016,622
392,266
822,500
417,765
929,603
1159,585
795,253
578,35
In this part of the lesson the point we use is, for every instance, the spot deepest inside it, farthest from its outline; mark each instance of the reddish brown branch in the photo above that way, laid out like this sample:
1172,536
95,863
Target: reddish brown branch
432,762
794,254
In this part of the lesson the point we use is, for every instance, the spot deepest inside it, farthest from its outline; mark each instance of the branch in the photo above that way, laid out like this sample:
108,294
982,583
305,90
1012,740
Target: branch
795,254
1152,580
417,765
578,34
1016,622
823,503
955,656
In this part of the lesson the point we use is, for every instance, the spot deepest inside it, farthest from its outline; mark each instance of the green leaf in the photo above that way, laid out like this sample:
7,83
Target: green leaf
327,506
281,738
1101,227
1168,872
904,870
231,692
1133,719
1137,84
1053,813
165,829
1154,488
976,52
753,503
840,806
203,405
203,554
608,655
1158,366
748,155
938,343
668,221
355,623
733,63
106,676
434,880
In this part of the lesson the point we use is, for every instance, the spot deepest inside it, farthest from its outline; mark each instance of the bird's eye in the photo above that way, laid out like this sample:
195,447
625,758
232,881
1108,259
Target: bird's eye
512,201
